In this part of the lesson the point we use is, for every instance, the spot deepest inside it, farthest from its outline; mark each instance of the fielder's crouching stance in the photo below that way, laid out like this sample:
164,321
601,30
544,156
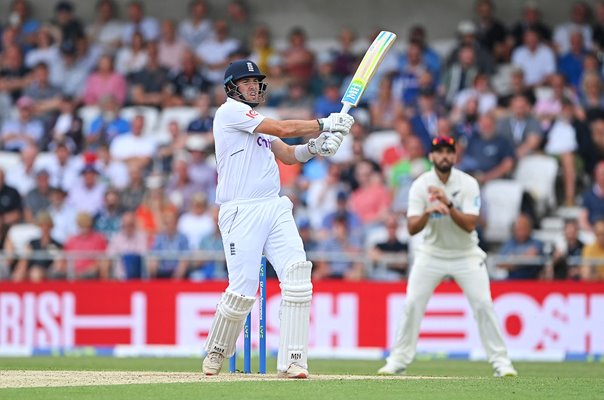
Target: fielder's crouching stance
444,203
253,218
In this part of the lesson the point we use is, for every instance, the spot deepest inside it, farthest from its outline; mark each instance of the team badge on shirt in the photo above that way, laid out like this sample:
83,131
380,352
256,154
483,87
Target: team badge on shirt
251,114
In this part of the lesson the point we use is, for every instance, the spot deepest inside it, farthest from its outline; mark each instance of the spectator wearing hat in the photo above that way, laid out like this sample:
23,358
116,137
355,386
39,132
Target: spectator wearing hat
24,130
65,19
134,147
467,35
87,240
47,263
87,194
63,215
22,176
37,199
139,22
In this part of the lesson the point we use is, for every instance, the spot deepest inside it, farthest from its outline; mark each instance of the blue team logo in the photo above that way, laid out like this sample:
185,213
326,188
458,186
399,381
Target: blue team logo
477,201
262,142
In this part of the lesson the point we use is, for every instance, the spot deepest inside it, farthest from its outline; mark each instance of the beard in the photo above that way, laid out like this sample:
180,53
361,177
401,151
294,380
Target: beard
443,167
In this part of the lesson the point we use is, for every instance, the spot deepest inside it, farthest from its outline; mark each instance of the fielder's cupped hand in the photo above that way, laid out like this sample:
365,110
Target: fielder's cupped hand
437,194
327,144
337,122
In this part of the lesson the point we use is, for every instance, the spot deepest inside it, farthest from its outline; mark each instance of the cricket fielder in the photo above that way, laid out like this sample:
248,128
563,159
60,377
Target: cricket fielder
253,219
444,203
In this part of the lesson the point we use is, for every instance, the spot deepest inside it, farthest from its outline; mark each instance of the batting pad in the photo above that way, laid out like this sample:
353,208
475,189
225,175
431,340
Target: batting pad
296,293
228,323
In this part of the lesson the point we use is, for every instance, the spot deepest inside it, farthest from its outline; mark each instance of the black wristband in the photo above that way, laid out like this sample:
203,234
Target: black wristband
450,204
320,124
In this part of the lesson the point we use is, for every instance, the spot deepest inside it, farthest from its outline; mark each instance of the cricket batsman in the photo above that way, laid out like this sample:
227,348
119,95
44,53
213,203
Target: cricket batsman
253,218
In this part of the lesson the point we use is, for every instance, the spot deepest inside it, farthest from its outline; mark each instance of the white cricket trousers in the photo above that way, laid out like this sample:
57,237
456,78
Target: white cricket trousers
250,228
471,275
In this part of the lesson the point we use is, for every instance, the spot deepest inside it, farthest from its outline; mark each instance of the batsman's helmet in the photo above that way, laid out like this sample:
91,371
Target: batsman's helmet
243,69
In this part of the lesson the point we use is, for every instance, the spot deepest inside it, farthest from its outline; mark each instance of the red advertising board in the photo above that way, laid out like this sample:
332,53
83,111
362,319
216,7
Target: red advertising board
536,316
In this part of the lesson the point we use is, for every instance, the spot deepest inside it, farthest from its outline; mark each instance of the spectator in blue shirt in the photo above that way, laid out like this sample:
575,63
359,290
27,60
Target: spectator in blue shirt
108,125
522,244
571,64
593,199
169,240
487,156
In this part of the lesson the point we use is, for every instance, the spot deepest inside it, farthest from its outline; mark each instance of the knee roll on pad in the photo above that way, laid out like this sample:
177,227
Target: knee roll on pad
296,294
228,323
295,285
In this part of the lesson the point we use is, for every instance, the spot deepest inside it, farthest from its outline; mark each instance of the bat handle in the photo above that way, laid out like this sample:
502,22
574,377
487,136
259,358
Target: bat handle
346,107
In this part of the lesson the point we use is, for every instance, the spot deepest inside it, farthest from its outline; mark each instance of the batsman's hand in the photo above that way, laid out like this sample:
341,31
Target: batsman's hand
337,122
326,145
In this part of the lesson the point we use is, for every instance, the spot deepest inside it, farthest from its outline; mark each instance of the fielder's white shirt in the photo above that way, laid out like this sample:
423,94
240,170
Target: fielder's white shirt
442,236
245,163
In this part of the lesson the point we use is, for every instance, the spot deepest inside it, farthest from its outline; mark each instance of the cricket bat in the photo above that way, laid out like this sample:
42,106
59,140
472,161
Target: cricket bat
370,63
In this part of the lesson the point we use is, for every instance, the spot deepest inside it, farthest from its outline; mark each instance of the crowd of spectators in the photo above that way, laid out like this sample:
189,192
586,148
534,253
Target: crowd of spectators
119,183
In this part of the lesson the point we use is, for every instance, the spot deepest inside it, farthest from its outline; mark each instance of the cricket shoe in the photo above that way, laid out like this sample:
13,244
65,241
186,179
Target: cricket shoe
505,372
390,369
294,372
212,364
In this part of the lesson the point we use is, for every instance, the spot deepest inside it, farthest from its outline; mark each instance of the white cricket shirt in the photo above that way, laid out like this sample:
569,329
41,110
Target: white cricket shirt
442,237
245,163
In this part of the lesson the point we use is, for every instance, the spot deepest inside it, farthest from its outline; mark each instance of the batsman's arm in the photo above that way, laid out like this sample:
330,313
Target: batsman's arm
288,128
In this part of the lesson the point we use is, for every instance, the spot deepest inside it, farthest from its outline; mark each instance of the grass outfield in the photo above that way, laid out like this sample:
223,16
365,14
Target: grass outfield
426,380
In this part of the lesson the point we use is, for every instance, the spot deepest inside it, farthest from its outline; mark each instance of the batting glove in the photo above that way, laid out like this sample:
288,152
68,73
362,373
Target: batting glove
336,122
326,145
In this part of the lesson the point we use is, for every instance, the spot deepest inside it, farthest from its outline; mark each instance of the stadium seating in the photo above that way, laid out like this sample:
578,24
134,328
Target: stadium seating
182,115
88,114
537,175
502,199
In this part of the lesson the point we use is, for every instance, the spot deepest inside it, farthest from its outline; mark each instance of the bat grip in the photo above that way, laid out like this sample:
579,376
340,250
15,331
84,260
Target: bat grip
346,107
